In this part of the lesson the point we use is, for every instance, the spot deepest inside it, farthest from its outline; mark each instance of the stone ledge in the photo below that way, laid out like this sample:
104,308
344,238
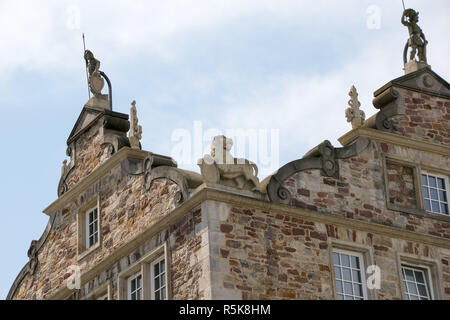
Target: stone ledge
378,135
418,212
94,176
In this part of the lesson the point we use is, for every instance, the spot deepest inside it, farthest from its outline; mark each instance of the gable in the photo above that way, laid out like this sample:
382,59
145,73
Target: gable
86,118
424,81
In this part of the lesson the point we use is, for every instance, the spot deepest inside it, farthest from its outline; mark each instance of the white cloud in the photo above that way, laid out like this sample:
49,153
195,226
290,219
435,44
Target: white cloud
37,34
308,108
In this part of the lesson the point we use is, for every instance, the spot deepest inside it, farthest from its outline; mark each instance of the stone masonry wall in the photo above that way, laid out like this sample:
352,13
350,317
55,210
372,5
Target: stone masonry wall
126,210
188,243
401,190
360,191
268,255
427,118
89,154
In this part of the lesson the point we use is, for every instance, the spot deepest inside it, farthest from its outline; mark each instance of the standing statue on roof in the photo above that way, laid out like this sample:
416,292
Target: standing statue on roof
135,134
96,81
416,41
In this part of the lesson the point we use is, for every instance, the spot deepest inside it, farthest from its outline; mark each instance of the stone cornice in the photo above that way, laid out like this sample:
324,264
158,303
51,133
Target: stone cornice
205,192
94,176
378,135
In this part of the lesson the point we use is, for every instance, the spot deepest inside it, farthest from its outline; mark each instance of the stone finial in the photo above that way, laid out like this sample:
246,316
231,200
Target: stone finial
135,134
416,42
354,114
220,167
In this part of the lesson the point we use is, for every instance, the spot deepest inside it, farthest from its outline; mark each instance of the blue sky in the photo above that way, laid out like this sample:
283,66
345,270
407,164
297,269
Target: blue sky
285,65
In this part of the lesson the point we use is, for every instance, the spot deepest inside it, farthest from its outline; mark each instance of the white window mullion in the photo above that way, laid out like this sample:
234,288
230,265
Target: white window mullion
413,281
91,227
347,283
435,191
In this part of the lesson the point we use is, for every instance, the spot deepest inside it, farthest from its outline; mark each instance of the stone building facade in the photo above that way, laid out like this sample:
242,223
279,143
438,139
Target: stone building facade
133,225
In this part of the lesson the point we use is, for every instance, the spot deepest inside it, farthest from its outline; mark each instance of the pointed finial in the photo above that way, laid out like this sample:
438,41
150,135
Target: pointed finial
354,114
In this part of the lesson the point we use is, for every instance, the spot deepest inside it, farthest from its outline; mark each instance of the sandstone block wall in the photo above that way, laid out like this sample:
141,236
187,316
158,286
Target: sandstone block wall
361,193
88,154
426,118
126,210
269,255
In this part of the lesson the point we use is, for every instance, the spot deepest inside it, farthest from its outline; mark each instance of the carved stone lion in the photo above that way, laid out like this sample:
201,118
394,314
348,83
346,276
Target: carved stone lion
220,167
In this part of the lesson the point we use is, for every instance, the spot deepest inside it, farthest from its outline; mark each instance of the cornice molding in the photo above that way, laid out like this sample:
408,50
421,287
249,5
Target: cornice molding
94,176
394,139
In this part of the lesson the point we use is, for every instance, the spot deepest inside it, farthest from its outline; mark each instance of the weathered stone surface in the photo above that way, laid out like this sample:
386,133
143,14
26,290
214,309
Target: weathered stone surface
360,191
297,265
401,190
426,118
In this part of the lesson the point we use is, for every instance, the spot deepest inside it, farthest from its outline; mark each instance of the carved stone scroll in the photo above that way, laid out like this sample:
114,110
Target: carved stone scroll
324,157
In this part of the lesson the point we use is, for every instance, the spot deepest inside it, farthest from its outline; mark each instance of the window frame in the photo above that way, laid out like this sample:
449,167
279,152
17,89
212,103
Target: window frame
427,276
362,271
129,280
95,232
144,267
152,277
433,266
418,167
436,175
417,184
83,248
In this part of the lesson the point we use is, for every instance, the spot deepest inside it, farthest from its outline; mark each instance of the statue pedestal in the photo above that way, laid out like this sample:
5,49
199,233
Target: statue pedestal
98,102
413,66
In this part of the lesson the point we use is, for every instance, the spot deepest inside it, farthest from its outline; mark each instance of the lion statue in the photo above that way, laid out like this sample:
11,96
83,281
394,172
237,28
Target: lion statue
220,167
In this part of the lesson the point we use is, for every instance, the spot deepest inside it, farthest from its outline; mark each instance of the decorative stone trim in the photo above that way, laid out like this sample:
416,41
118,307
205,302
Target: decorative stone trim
387,101
93,177
173,175
324,157
157,167
420,81
396,139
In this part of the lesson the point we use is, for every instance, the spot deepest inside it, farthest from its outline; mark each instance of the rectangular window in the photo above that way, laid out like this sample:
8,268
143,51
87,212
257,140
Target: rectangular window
416,284
158,279
435,193
146,279
349,274
135,287
91,227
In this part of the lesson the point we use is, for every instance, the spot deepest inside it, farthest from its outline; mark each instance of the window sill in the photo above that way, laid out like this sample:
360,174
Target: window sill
419,212
88,251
